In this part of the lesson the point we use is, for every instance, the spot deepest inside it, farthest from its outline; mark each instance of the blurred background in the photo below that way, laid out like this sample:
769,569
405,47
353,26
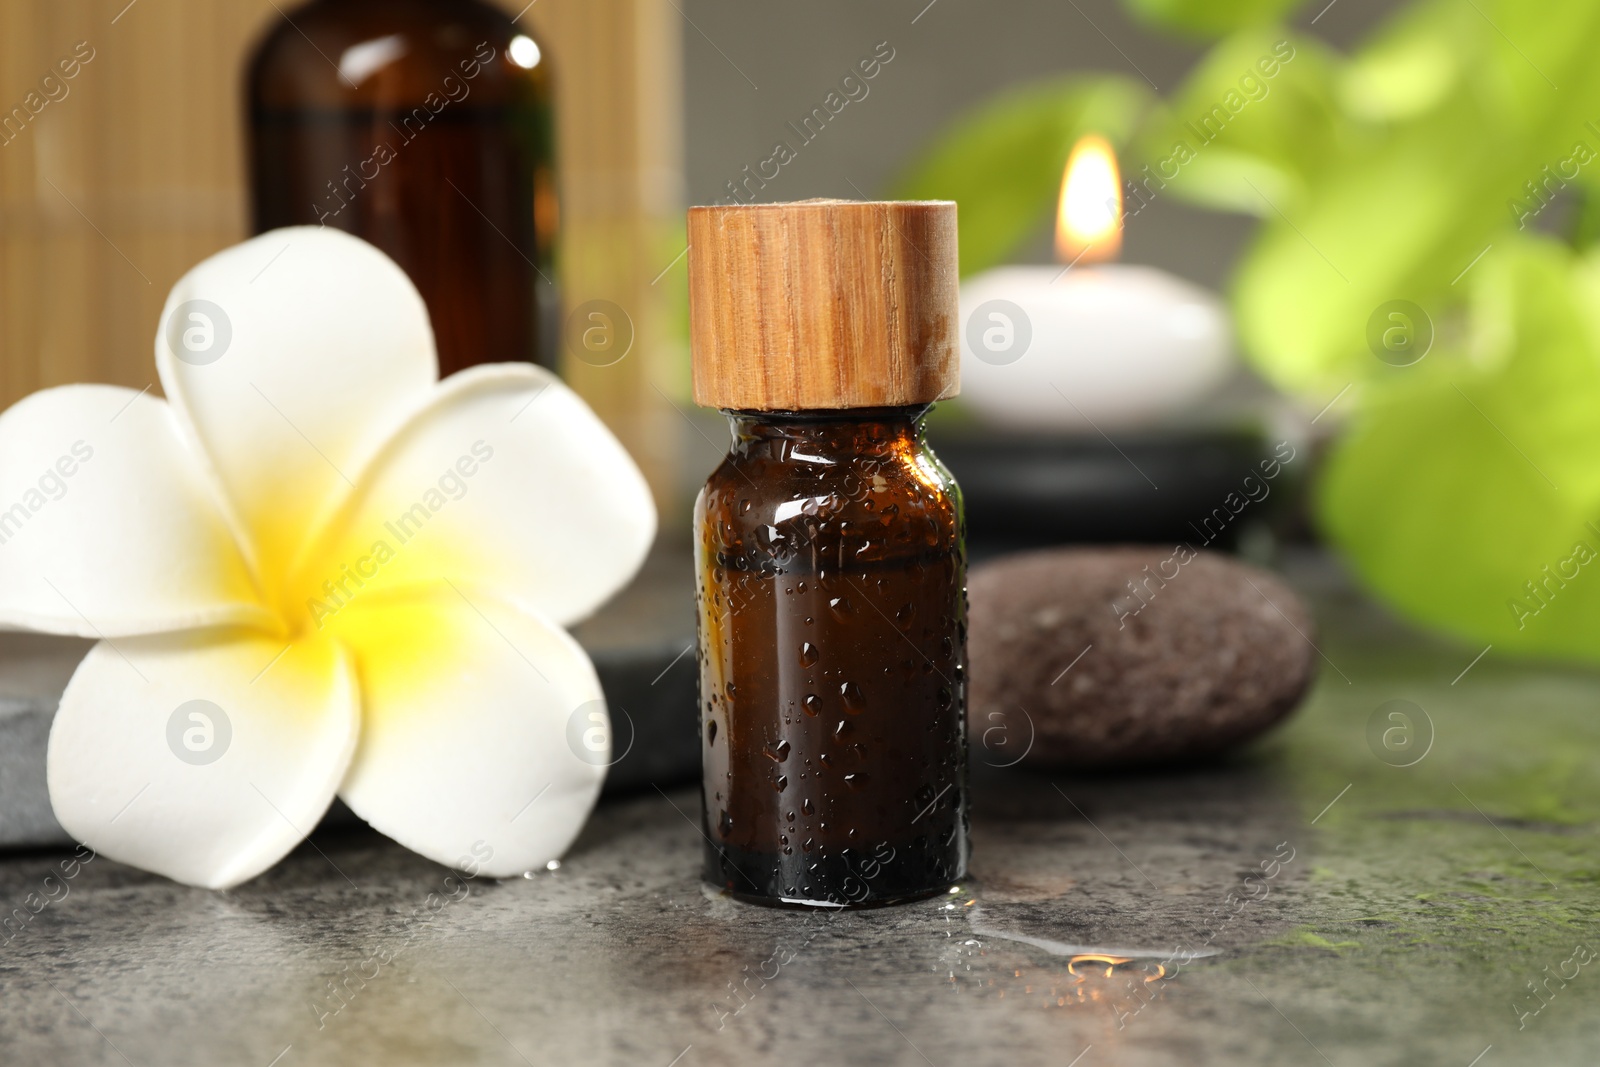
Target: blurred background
1358,231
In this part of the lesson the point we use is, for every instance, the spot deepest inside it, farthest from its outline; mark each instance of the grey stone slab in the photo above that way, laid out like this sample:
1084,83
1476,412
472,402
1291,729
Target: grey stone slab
34,669
640,644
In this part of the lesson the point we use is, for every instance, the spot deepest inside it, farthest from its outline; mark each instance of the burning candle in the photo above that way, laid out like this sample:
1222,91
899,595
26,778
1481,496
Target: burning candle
1091,344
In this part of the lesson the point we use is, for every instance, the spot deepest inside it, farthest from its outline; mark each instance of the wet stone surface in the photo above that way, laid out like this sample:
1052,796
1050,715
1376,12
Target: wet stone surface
1314,900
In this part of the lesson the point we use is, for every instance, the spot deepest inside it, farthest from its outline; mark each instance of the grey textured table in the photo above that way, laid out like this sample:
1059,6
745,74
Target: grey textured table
1418,906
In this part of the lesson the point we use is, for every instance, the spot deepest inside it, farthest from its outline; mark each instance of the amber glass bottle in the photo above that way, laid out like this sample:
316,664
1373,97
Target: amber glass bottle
425,127
829,553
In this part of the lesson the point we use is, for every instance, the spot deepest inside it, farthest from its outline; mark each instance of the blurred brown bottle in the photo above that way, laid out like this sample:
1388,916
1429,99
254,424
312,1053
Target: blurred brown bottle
426,128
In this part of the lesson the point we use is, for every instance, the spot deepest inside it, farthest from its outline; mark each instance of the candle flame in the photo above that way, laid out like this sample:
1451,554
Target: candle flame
1089,216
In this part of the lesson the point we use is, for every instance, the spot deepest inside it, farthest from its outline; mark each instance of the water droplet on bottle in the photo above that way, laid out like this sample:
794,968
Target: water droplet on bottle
808,654
856,781
725,823
782,783
711,732
903,616
843,729
812,704
945,698
805,806
851,694
840,605
779,752
744,507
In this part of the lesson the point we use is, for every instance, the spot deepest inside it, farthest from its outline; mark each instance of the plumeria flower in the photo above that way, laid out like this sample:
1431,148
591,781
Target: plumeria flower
316,570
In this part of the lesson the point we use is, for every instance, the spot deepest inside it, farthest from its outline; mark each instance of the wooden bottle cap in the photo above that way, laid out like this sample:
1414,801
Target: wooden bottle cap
824,304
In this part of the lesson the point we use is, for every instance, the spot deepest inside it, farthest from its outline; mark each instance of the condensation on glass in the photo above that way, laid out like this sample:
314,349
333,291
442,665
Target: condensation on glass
830,562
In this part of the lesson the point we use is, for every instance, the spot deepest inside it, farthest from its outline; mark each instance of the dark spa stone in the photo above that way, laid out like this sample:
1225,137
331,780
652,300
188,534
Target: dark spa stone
1115,658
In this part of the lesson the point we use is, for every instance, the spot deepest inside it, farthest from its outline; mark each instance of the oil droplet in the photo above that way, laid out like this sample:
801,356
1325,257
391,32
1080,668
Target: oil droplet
808,654
851,694
812,704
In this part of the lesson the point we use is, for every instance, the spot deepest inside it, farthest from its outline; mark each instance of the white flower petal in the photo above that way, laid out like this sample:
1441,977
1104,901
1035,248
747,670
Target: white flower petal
468,705
107,526
304,350
506,480
128,768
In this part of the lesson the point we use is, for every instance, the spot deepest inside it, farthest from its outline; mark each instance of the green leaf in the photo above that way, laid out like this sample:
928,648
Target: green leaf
1002,162
1256,120
1401,211
1408,70
1209,18
1468,495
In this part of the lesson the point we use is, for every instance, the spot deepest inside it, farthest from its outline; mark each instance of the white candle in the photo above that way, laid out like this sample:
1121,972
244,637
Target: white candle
1093,346
1103,346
